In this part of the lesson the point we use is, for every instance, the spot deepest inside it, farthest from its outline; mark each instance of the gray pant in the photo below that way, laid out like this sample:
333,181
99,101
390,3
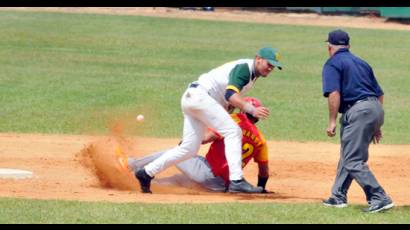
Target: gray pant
358,127
197,169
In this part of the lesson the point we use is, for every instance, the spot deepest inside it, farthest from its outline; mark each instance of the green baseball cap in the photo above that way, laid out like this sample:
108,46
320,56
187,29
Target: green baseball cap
271,55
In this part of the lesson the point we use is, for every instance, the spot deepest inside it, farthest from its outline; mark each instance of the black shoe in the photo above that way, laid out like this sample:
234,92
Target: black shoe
243,186
332,202
144,179
379,206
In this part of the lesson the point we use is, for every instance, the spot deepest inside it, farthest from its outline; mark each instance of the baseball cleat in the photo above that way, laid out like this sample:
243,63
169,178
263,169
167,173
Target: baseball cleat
145,180
332,202
242,186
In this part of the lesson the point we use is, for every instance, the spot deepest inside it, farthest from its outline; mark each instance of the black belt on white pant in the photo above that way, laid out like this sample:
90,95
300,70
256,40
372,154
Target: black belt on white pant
197,85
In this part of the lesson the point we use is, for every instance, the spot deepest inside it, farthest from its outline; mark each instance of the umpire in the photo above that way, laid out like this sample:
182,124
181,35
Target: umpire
352,90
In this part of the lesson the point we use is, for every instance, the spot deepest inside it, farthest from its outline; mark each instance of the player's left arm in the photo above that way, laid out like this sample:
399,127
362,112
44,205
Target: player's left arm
262,159
263,170
263,176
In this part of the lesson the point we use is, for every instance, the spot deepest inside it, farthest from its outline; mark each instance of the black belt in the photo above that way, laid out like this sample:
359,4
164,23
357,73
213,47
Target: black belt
193,85
196,85
361,100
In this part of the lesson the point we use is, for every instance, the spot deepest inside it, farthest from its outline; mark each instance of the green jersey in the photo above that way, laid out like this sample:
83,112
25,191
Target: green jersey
236,75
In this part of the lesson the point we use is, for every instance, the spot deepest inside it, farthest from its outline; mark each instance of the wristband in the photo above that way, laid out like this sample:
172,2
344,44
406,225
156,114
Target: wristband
262,181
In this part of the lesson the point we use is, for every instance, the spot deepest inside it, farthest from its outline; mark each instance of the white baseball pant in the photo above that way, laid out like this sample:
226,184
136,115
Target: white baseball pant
200,112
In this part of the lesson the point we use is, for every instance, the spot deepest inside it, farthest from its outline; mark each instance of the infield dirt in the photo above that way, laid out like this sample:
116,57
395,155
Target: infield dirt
300,172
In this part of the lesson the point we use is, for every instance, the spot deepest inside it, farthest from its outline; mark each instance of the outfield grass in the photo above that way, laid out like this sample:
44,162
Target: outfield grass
75,73
36,211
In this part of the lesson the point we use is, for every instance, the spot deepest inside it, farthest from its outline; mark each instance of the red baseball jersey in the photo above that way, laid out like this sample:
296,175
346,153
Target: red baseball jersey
253,146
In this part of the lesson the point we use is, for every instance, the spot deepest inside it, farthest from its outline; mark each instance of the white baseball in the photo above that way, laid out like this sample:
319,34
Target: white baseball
140,118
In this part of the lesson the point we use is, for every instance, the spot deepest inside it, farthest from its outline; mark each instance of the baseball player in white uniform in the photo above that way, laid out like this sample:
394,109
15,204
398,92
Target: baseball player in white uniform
205,104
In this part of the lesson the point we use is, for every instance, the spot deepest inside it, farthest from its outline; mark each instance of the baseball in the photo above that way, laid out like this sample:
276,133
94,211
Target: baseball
140,118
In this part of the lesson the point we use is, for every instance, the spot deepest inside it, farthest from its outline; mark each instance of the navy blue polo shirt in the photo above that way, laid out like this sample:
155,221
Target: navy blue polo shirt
351,76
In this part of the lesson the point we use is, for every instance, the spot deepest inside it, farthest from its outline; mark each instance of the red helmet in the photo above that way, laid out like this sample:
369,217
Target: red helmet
255,102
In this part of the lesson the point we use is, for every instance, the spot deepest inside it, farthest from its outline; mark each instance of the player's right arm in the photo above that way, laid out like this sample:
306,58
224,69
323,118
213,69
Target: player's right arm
333,104
238,78
236,100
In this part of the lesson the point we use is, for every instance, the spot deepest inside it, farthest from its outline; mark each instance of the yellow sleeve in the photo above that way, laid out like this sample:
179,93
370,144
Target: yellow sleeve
262,156
234,88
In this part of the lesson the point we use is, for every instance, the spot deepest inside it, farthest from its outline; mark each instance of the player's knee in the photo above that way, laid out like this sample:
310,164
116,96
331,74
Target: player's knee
189,149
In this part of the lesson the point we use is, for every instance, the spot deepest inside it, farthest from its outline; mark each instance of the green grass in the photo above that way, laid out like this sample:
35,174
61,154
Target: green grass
36,211
76,73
